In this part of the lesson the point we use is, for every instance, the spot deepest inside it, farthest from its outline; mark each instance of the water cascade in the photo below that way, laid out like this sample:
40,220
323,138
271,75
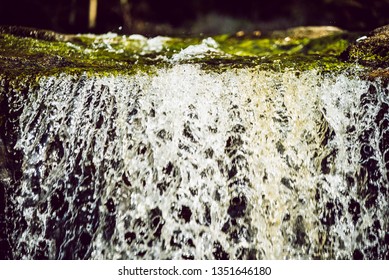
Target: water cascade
187,162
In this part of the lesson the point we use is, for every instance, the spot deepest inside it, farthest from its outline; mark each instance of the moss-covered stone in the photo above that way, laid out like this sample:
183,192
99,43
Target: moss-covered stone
33,52
371,50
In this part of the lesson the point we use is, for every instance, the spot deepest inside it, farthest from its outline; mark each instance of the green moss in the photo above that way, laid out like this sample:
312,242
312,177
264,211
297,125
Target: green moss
327,45
369,54
333,45
260,47
371,50
111,54
19,56
276,63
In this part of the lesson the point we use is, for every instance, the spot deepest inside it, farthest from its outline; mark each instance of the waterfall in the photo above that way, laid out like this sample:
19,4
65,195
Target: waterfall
186,163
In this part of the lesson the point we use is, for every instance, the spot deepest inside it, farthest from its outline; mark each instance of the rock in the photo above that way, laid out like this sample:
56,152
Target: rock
4,184
40,52
33,33
371,50
383,74
308,32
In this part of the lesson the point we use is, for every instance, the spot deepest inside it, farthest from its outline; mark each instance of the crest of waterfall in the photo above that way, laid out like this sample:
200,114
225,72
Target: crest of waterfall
190,164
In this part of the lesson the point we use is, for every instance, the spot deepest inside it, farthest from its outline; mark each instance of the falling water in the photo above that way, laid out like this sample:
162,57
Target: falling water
186,163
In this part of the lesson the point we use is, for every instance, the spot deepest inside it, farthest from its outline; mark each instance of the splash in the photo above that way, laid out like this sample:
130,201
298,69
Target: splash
191,164
207,47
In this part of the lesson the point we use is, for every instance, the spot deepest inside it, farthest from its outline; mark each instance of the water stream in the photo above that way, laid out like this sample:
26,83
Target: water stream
191,164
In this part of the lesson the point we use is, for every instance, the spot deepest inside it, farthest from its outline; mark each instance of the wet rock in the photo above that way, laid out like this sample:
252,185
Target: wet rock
308,32
371,50
379,73
46,52
4,183
33,33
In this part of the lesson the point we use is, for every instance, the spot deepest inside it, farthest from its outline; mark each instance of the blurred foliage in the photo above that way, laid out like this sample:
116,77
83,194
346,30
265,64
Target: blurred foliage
152,17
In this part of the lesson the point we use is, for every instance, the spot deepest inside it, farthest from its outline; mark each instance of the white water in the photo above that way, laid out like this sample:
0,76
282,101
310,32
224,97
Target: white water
192,164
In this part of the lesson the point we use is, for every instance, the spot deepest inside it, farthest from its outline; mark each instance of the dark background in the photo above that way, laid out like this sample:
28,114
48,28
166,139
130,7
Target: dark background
186,17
